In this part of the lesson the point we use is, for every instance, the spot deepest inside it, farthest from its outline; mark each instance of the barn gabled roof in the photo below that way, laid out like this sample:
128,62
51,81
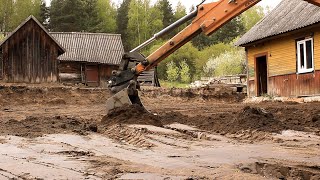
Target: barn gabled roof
32,18
91,47
288,16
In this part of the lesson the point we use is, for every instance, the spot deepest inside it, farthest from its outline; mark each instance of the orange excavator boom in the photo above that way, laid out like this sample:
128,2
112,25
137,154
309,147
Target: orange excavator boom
315,2
207,19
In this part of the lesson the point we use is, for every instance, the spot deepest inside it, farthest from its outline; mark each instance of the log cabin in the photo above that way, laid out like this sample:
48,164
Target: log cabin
90,58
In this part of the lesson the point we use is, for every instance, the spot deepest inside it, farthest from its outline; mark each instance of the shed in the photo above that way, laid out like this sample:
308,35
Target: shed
283,51
90,58
29,54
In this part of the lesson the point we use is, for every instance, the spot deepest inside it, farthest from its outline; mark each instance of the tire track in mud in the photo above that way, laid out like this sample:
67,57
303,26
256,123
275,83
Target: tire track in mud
9,174
49,165
126,135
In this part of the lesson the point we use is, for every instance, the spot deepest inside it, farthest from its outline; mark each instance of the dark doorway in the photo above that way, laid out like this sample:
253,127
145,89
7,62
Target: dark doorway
262,75
92,75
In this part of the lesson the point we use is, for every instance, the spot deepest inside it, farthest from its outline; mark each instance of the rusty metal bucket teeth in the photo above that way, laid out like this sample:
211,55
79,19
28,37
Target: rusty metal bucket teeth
121,99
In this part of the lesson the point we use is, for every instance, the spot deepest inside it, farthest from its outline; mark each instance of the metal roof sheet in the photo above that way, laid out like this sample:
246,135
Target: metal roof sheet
91,47
288,16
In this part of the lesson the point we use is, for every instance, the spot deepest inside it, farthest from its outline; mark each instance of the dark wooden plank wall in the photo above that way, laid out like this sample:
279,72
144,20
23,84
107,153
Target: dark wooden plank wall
292,85
30,56
70,72
105,72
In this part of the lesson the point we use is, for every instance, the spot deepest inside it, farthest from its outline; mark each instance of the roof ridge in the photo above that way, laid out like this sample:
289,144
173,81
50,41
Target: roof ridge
288,16
31,17
86,33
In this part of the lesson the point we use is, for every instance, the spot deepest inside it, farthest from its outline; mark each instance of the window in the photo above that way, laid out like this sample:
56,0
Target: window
305,56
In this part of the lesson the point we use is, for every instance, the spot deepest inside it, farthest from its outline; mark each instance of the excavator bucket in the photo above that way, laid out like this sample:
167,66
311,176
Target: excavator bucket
122,99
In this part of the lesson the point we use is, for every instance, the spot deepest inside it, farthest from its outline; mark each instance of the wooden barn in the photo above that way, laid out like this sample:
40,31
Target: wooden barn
283,51
90,58
29,54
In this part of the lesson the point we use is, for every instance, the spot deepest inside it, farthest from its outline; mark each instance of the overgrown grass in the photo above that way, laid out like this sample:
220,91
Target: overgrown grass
167,84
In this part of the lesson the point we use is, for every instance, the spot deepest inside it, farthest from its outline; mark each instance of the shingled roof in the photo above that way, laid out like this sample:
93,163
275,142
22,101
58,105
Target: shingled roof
288,16
91,47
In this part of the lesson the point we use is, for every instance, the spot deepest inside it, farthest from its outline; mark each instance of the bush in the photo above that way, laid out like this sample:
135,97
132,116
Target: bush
228,63
185,72
187,53
172,71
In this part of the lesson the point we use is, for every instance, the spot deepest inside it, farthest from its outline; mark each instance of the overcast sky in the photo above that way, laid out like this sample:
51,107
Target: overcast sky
189,3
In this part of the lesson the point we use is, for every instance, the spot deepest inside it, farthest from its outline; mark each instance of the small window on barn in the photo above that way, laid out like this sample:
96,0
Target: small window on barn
305,56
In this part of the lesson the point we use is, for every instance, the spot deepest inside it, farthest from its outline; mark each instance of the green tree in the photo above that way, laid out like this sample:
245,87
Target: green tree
122,23
44,15
172,71
144,21
226,34
6,11
180,11
252,17
185,72
107,14
23,9
167,11
91,16
168,17
187,53
178,14
67,15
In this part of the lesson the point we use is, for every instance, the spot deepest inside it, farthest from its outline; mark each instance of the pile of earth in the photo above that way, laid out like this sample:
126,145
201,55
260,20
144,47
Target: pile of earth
298,118
60,95
133,114
248,119
38,126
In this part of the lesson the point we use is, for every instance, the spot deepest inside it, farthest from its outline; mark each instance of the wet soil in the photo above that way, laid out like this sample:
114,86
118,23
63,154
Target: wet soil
188,137
249,119
133,114
38,126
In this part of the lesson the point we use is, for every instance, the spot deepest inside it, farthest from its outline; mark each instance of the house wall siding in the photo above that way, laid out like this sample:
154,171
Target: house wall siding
283,79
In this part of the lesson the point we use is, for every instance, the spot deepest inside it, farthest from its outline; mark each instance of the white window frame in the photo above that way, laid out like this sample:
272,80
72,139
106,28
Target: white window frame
300,69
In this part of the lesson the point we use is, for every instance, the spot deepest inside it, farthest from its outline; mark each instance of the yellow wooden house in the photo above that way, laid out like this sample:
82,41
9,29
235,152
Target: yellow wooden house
283,51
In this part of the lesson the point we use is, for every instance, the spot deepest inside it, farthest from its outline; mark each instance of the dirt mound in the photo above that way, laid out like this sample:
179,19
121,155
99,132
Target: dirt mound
133,114
36,127
221,92
257,119
23,95
253,119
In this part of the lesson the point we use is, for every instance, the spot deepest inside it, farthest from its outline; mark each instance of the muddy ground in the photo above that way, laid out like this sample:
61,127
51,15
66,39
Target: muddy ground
65,133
